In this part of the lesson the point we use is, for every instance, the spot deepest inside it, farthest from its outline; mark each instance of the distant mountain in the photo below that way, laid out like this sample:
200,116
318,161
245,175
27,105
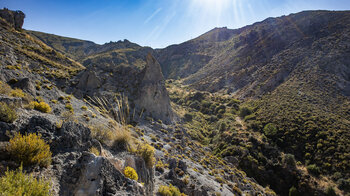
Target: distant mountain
78,49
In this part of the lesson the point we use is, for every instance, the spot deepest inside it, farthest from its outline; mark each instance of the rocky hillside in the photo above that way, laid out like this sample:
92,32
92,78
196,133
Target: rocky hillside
292,73
98,129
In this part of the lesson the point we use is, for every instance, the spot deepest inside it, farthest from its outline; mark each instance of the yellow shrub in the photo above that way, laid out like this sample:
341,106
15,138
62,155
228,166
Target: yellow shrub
95,151
146,151
129,172
17,183
17,93
69,107
42,107
169,191
84,107
7,113
29,150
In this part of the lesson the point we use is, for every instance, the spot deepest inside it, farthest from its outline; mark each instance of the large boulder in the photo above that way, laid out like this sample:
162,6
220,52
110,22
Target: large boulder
89,81
152,94
14,18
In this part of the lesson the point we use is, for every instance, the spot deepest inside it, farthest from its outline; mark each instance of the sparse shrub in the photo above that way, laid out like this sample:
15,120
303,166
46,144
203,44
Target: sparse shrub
5,88
29,149
18,183
270,130
122,139
42,107
160,166
69,107
54,101
146,151
313,169
244,111
84,107
17,93
101,133
7,113
130,172
169,191
94,151
293,191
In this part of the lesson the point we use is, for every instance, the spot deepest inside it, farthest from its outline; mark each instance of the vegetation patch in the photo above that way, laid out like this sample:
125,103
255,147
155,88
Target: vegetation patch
29,149
18,183
7,113
146,151
169,191
42,107
130,172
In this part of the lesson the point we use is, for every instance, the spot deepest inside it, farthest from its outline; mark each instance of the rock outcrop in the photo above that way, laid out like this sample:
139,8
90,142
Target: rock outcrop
152,94
89,81
14,18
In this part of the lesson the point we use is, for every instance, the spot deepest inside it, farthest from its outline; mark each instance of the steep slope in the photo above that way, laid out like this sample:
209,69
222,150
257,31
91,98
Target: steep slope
296,70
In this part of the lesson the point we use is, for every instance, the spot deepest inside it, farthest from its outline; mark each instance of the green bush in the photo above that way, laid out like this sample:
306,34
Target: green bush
130,172
289,160
293,191
7,113
169,191
244,111
270,130
15,183
313,169
29,149
42,107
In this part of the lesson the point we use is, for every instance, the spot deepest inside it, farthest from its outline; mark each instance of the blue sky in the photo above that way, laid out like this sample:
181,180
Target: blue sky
155,23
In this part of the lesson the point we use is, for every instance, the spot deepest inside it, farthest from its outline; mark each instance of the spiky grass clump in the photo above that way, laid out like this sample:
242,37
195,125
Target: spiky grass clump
123,139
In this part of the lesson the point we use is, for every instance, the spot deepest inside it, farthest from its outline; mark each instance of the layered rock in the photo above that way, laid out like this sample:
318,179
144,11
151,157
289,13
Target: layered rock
152,94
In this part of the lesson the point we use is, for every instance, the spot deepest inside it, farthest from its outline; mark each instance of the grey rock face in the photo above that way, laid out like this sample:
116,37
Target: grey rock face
152,94
26,85
14,18
88,81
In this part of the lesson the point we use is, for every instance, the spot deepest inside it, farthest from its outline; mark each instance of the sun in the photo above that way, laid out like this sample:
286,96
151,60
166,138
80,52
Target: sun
213,5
